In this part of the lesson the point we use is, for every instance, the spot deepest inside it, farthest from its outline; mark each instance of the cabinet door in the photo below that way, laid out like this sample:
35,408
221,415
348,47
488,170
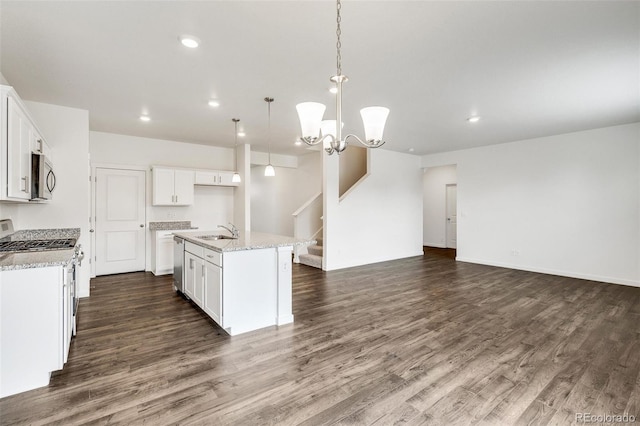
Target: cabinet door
198,291
213,292
189,274
18,152
163,187
225,179
163,253
184,191
206,178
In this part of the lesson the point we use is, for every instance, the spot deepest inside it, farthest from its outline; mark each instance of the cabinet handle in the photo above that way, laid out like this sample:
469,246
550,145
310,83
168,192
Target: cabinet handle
24,179
209,256
190,263
176,198
40,145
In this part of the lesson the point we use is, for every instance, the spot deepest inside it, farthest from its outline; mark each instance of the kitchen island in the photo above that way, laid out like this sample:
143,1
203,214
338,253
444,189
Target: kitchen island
243,283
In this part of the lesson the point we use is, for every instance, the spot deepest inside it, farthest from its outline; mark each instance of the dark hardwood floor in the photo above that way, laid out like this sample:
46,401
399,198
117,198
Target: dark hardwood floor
423,340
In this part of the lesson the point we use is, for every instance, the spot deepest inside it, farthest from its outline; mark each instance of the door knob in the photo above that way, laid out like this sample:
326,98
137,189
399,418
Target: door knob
91,230
141,226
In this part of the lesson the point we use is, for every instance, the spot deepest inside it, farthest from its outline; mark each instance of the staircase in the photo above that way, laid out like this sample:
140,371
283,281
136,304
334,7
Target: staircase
314,255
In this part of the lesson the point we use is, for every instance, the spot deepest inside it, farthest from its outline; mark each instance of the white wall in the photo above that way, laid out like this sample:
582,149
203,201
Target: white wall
434,200
67,132
274,199
566,204
212,206
380,218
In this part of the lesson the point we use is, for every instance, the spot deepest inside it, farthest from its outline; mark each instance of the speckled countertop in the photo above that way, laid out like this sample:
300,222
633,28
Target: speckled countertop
38,259
34,259
168,225
43,234
247,240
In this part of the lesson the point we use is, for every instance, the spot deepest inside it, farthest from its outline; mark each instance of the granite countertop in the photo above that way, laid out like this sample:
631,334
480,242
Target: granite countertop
34,259
169,225
246,241
43,234
38,259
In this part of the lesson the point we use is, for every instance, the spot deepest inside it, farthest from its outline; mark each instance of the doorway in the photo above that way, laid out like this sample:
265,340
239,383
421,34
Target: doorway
440,207
119,220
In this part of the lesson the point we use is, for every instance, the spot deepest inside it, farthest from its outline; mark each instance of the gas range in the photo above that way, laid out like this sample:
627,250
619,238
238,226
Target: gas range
38,245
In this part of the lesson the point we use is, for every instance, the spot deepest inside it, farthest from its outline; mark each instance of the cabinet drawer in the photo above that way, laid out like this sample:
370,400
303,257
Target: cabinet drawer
213,256
194,249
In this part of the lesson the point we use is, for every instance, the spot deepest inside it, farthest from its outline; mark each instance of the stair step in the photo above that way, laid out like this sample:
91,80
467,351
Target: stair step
315,249
311,260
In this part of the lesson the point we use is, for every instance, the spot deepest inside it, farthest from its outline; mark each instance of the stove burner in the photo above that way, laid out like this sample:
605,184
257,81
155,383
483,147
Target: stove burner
38,245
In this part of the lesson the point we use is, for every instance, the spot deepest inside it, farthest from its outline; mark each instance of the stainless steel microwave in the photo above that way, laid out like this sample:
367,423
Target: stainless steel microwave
43,180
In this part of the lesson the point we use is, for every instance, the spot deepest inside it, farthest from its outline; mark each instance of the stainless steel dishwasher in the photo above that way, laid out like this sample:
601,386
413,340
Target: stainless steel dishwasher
178,264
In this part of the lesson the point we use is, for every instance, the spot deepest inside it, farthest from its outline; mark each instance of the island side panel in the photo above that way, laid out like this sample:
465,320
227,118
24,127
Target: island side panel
250,291
285,301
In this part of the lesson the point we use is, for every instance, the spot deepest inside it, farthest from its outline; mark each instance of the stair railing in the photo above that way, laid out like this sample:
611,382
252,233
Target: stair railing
307,223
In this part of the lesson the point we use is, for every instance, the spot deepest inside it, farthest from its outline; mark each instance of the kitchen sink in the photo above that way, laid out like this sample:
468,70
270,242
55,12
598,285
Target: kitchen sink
216,237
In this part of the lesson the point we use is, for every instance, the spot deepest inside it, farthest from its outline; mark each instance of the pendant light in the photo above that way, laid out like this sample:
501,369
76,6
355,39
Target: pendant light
269,170
236,175
310,113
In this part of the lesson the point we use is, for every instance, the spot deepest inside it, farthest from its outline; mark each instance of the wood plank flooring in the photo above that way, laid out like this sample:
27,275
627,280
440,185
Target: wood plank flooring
424,340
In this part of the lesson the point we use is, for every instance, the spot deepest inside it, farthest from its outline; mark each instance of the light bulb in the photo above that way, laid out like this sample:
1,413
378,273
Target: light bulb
236,178
269,170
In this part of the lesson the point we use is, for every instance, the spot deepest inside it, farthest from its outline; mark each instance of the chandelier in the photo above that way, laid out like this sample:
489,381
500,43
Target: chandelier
315,130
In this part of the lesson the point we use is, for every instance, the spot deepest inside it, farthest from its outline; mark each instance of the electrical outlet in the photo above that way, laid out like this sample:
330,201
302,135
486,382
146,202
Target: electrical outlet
515,252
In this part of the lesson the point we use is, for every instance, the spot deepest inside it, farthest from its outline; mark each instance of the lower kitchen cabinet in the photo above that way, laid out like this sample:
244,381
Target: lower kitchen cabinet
213,292
192,276
162,252
35,327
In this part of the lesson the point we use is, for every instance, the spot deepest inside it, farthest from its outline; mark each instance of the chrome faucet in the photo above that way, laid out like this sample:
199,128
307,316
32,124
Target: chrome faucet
234,231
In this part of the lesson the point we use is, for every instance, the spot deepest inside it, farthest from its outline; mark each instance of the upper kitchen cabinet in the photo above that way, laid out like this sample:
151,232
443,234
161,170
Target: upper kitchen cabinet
19,137
172,187
215,178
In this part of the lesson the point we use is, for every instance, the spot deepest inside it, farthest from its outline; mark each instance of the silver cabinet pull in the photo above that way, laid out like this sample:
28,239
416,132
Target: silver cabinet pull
24,179
141,225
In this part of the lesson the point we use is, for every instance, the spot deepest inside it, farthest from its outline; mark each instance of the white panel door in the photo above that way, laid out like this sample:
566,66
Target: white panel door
452,216
119,222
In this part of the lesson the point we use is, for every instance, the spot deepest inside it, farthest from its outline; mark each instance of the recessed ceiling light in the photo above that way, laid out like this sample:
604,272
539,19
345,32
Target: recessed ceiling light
473,119
145,118
189,41
214,103
411,149
241,134
333,90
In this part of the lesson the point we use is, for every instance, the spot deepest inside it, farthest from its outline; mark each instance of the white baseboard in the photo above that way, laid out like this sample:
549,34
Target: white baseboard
570,274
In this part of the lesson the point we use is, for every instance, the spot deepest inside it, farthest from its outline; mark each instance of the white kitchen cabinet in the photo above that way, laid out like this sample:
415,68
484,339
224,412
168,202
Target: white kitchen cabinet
162,247
214,178
35,326
162,252
213,288
172,187
194,272
19,136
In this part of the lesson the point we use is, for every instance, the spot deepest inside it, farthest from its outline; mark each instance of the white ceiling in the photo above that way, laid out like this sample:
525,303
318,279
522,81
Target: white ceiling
529,69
